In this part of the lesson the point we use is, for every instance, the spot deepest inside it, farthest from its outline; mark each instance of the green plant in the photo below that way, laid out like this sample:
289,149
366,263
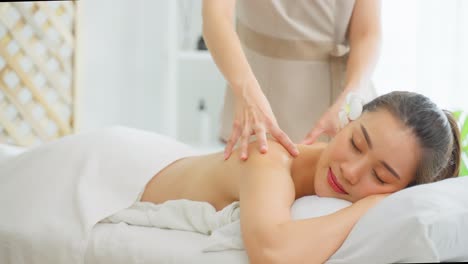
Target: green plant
462,119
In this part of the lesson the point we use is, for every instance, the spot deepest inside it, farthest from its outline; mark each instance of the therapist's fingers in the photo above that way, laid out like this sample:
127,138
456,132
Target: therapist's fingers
313,135
235,134
284,140
260,132
244,142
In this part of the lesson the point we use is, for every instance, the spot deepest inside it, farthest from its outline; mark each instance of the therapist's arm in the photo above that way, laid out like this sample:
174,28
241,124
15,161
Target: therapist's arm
253,114
364,40
224,45
269,233
365,35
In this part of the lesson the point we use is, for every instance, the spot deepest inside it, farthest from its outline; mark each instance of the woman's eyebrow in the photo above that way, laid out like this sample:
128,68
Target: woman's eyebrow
366,135
392,171
369,142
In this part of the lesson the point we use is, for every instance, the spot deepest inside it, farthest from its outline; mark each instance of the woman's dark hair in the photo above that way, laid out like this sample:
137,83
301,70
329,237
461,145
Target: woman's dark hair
436,131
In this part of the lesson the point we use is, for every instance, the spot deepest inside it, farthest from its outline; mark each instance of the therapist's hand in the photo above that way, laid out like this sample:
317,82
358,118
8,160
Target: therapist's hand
253,116
328,124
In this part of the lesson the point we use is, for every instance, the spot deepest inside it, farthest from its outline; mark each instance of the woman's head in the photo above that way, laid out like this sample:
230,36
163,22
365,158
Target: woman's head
400,140
436,131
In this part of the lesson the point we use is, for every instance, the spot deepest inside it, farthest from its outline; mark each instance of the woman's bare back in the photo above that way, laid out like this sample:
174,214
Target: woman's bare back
208,178
201,178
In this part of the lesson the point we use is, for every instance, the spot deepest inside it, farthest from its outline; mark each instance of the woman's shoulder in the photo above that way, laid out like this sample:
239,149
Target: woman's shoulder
276,153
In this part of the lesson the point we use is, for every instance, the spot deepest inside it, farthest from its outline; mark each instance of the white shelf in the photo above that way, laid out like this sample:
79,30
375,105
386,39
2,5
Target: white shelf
195,77
194,55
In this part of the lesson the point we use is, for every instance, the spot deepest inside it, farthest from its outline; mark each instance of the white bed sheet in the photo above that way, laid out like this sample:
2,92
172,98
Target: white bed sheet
123,244
9,151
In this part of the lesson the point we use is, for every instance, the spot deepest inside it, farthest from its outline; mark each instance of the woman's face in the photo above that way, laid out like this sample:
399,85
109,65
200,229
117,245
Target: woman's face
374,154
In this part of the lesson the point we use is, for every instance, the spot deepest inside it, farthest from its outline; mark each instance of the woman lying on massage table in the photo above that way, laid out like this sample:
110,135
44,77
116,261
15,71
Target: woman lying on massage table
400,140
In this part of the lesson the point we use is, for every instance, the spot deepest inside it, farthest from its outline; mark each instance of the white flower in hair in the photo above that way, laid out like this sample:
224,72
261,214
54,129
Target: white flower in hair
351,110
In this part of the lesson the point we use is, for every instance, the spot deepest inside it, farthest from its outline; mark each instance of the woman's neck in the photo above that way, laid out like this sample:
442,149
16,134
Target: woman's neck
304,166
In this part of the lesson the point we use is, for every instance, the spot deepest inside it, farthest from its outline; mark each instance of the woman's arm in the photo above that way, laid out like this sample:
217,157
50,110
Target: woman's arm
253,113
315,240
269,233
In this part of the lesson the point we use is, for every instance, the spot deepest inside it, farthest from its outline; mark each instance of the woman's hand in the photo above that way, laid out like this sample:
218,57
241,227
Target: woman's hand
337,117
328,124
253,116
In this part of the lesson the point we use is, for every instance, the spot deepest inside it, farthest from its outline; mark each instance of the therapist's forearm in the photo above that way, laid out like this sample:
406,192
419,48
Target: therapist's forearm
363,57
365,33
226,50
362,60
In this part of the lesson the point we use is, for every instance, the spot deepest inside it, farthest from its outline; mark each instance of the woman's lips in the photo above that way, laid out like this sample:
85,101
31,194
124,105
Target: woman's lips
334,183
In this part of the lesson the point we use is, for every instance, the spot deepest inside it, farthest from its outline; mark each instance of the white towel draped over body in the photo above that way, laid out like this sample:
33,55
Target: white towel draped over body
223,226
52,196
182,214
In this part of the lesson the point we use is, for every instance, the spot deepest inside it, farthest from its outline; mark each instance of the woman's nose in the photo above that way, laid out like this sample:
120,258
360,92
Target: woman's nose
353,170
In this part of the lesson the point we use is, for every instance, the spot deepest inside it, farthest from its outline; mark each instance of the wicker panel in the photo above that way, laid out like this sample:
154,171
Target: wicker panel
37,41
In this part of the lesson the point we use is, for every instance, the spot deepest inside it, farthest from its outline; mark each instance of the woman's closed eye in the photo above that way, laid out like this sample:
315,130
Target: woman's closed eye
374,173
351,140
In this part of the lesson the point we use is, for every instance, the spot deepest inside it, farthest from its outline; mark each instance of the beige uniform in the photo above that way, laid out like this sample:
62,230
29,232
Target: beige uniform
298,52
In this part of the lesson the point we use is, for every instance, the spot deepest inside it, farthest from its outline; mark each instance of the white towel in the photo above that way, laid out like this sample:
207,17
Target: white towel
53,195
182,214
187,215
222,226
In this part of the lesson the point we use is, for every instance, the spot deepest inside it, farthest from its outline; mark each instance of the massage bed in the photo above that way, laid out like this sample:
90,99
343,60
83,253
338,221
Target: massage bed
409,226
123,243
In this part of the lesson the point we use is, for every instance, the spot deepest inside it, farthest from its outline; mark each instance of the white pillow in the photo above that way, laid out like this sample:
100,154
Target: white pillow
426,223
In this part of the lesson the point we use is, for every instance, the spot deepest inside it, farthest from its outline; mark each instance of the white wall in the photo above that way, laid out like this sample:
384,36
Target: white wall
124,64
136,71
132,74
425,50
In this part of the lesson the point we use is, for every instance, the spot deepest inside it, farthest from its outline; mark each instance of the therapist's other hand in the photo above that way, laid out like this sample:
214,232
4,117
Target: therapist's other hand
253,116
328,124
